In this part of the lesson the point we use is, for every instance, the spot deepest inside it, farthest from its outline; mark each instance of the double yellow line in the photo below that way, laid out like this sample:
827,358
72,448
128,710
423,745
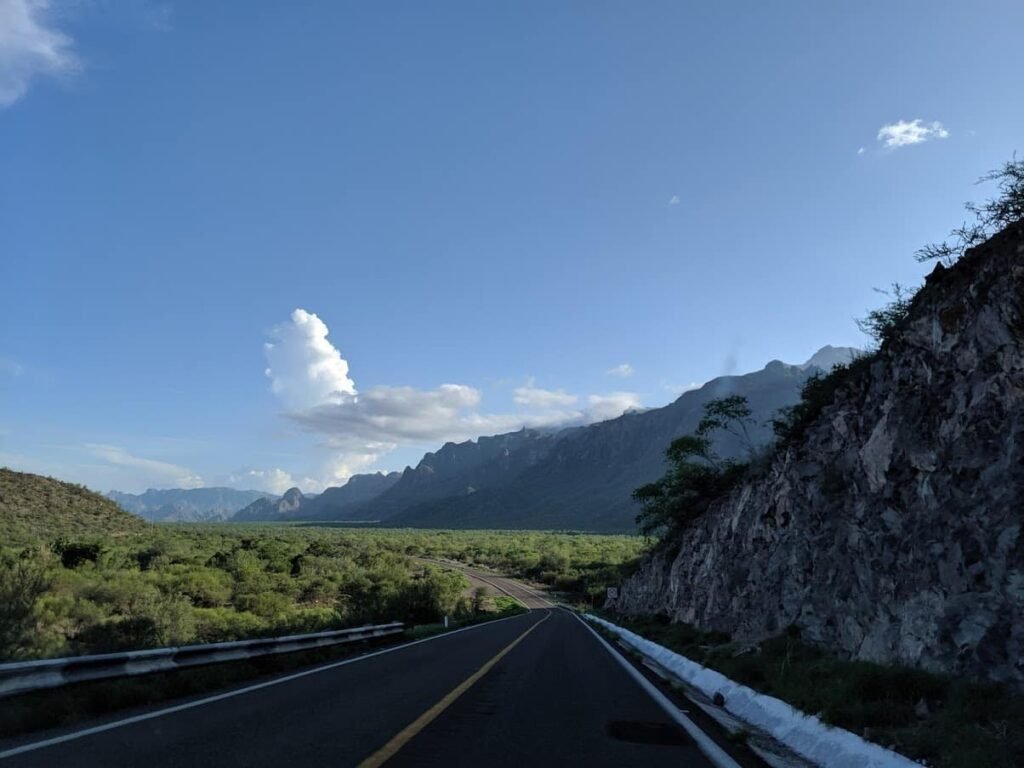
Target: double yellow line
403,737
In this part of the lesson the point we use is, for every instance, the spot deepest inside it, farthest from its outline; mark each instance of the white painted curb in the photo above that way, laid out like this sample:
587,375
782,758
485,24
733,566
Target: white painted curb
718,756
805,734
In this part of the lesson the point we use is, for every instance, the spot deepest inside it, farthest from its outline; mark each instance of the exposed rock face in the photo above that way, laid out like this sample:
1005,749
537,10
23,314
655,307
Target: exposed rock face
458,469
892,531
266,509
336,503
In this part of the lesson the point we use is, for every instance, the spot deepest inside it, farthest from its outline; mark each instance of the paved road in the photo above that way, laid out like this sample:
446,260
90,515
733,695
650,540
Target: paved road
528,596
535,690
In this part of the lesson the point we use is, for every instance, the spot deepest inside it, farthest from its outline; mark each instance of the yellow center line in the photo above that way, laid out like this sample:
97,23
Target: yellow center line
403,737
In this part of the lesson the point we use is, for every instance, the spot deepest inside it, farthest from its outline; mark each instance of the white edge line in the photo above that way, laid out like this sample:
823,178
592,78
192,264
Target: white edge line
231,694
711,750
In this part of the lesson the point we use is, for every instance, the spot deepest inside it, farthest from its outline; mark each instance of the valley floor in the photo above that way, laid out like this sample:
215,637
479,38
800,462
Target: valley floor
183,584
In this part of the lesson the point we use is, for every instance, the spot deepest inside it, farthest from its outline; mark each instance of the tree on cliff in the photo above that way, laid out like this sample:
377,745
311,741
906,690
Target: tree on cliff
697,474
989,217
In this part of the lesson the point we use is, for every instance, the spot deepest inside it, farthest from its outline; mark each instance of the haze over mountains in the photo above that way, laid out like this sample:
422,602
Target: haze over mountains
186,505
577,478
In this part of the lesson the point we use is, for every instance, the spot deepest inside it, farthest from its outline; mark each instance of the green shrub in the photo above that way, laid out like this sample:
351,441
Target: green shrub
697,475
23,581
818,392
73,554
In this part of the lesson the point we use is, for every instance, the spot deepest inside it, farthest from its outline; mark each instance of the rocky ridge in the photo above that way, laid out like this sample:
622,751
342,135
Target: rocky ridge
891,531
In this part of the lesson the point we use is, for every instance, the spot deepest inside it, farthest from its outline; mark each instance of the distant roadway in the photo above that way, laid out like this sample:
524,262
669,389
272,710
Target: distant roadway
537,689
528,596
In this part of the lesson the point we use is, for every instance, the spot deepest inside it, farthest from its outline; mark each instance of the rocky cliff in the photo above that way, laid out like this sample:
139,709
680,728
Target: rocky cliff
337,503
892,530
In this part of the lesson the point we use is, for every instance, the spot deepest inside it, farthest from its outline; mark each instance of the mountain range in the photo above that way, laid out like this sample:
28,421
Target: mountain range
329,505
579,478
186,505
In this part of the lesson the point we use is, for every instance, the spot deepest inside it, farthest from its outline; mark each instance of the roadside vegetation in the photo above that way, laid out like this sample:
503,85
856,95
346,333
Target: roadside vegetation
79,593
121,586
97,594
942,721
578,566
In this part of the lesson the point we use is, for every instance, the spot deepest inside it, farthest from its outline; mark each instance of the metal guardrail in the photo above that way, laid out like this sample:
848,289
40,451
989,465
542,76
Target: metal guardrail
24,676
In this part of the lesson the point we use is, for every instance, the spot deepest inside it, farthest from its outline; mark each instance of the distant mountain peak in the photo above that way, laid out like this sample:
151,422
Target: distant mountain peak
329,505
828,357
186,504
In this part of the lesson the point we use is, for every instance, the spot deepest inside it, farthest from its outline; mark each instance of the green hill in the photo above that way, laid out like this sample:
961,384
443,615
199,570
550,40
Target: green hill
34,507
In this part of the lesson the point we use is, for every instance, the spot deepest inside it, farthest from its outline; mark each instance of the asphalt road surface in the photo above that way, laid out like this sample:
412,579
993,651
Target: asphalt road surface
528,596
538,689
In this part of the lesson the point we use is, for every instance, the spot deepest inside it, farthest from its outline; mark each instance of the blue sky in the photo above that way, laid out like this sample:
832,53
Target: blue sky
499,214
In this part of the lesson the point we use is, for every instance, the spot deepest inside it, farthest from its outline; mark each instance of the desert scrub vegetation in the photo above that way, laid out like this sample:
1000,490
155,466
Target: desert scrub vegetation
174,587
580,566
33,507
181,584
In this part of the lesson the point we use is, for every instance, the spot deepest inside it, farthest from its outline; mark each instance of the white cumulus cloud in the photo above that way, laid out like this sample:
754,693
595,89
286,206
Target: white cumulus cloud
674,200
274,480
304,368
905,133
271,480
623,371
29,47
387,415
360,426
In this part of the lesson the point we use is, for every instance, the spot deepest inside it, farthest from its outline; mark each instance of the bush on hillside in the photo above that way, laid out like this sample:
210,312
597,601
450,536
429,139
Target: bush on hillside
818,391
23,580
